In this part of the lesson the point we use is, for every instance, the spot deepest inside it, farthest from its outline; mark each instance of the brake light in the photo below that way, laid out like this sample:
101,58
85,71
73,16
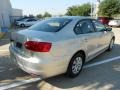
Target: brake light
38,46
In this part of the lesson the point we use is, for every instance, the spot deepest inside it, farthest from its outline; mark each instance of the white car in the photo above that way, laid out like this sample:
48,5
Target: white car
27,22
115,22
60,45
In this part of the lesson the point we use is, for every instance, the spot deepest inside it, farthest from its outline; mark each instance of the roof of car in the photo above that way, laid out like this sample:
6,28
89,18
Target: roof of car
76,17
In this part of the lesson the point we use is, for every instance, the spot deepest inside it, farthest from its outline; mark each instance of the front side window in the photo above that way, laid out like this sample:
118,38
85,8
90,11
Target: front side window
99,27
83,27
50,25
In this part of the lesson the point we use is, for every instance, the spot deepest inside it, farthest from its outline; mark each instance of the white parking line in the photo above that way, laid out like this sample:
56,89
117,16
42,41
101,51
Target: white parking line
19,83
38,79
10,69
5,39
2,71
102,62
5,50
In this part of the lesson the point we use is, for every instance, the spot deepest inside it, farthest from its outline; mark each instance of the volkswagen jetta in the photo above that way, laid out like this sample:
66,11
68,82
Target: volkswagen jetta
60,45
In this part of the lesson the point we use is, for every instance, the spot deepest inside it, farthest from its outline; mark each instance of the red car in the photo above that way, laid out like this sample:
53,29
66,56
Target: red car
104,20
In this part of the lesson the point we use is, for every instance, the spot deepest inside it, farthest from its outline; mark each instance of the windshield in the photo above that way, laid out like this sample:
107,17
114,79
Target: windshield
50,25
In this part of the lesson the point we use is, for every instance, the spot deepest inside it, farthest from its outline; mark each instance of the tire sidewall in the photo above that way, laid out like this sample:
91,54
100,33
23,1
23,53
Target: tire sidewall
70,71
22,25
109,49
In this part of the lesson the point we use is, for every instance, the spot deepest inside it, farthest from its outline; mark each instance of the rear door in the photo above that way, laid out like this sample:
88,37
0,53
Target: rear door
85,30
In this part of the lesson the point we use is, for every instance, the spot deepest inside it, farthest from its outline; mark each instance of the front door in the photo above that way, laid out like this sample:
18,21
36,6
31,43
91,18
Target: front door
103,35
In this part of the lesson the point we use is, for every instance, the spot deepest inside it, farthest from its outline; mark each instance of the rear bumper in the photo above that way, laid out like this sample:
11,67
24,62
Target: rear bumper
39,67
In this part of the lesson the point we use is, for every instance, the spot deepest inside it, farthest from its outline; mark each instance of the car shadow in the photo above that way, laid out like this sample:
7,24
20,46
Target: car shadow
9,72
101,76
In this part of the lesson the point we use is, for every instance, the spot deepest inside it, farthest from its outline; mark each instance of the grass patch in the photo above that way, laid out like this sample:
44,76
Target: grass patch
2,35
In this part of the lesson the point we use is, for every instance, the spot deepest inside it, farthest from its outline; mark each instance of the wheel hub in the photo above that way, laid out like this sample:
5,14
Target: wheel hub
77,65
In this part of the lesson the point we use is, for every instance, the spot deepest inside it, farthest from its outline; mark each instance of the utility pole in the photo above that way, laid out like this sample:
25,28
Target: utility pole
3,23
97,7
91,9
94,8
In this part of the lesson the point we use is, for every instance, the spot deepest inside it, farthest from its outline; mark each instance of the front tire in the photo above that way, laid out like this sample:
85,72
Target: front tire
75,65
111,44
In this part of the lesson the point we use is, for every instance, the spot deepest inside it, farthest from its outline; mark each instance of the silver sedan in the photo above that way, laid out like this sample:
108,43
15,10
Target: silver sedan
60,45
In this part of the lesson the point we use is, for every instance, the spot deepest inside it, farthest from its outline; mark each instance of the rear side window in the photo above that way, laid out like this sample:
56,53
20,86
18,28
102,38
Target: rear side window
51,25
99,27
83,27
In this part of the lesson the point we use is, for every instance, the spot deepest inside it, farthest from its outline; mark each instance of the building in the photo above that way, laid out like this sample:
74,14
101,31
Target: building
16,14
7,12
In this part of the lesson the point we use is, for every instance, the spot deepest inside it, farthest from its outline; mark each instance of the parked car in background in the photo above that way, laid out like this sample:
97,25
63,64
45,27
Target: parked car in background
60,45
27,22
20,19
104,20
115,22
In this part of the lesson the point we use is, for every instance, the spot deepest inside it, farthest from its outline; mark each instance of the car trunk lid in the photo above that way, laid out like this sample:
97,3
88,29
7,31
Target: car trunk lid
19,38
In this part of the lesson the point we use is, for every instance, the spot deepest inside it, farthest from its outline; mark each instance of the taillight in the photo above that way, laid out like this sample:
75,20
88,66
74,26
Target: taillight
38,46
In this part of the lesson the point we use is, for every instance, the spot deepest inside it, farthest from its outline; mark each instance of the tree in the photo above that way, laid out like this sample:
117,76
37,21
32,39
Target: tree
39,16
82,10
109,8
46,14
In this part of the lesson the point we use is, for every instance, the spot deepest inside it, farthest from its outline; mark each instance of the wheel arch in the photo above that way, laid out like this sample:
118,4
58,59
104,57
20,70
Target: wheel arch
68,68
113,37
81,52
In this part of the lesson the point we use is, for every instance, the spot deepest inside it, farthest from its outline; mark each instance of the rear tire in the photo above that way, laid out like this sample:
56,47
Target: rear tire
22,25
75,65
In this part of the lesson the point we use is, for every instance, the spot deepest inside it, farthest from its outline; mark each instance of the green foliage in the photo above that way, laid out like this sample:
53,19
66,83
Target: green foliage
109,8
82,10
46,14
39,16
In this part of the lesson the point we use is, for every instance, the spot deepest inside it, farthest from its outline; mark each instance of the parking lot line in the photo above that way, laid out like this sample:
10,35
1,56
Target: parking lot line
19,83
38,79
5,50
5,39
102,62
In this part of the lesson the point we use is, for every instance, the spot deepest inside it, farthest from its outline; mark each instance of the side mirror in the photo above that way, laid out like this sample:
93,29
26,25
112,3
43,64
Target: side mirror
108,29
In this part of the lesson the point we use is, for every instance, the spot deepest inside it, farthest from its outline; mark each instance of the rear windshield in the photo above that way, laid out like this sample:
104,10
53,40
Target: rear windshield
50,25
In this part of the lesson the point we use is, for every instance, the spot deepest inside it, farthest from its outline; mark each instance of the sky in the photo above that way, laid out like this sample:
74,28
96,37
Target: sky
54,7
